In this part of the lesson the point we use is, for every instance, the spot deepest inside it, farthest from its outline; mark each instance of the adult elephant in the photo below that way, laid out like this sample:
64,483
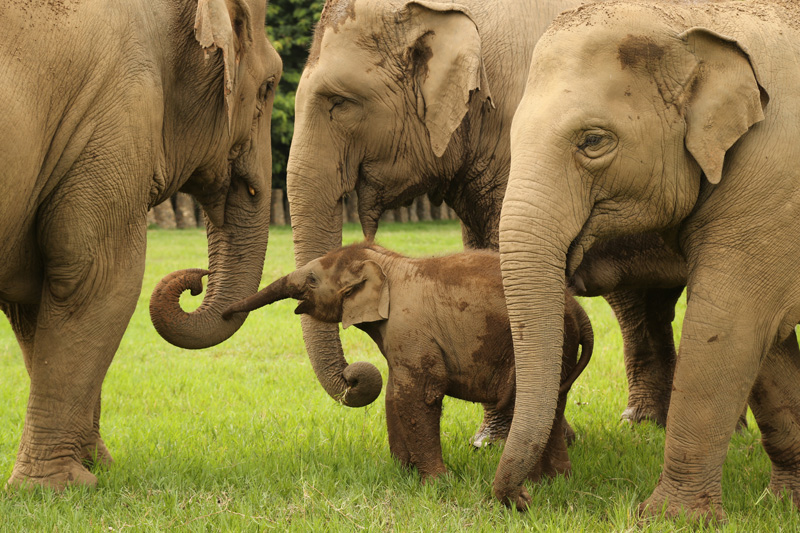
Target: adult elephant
680,119
401,98
109,109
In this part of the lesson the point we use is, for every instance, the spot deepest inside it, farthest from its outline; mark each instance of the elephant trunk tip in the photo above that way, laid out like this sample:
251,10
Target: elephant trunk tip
364,384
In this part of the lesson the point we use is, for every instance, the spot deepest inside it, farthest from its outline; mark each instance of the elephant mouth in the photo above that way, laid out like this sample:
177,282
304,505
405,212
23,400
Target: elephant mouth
303,307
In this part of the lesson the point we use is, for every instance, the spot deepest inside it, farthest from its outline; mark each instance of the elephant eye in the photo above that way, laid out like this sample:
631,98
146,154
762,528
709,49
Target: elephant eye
596,143
335,101
265,89
312,280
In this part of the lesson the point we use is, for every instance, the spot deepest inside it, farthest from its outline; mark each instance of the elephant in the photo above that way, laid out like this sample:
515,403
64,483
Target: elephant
107,111
441,324
407,97
680,119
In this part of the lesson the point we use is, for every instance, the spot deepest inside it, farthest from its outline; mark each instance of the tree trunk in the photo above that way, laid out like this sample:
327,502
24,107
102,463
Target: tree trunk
277,215
401,215
165,215
413,211
424,208
151,218
436,212
184,211
388,216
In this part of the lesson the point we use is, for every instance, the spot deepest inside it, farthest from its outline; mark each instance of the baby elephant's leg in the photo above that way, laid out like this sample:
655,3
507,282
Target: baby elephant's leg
555,458
413,411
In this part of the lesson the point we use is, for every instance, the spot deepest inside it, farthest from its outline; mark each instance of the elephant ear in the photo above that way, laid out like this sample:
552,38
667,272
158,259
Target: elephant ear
224,25
366,294
725,98
446,65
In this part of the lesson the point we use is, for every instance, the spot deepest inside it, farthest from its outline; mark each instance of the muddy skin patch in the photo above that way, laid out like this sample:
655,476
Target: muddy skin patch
417,58
334,14
638,50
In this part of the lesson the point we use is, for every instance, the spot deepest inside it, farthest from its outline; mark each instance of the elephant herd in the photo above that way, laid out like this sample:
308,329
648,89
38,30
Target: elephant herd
626,149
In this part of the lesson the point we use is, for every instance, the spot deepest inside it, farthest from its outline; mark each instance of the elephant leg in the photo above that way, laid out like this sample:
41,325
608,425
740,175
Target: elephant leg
90,294
718,363
775,401
495,426
555,458
645,319
412,421
94,452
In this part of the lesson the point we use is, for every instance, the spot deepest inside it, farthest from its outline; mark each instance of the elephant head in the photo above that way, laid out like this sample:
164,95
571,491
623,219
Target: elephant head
343,286
217,139
622,116
385,89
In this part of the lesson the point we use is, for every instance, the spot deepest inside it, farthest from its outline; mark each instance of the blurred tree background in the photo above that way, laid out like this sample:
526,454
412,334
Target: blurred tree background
290,27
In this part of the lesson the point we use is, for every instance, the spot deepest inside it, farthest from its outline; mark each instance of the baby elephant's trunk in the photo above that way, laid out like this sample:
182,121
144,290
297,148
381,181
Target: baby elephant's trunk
277,290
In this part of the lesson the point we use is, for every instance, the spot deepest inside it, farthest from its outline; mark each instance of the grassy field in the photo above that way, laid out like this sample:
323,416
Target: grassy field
241,436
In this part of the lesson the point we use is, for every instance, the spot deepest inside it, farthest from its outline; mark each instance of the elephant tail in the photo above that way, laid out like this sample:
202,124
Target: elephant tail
586,342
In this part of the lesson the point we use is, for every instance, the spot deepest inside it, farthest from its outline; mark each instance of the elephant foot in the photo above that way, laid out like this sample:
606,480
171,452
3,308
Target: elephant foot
700,507
56,475
431,475
96,455
519,499
636,414
494,428
569,433
786,482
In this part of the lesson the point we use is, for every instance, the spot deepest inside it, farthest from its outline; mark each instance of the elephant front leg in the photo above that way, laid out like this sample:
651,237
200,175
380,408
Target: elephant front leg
412,421
645,318
718,363
88,300
94,452
775,401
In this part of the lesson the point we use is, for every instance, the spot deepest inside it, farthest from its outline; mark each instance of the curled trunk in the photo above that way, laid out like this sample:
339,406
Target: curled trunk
317,229
236,258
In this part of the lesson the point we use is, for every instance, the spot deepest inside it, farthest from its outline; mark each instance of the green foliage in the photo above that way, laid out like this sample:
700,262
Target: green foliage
290,26
241,437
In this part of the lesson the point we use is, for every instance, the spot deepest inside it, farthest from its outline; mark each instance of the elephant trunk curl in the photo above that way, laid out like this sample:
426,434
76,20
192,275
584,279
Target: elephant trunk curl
236,253
317,229
275,291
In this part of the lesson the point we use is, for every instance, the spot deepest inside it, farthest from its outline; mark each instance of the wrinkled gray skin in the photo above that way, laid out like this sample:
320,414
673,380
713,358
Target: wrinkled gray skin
109,108
403,98
680,119
442,325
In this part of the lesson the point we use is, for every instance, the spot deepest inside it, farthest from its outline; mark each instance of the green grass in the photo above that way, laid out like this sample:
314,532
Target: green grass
241,436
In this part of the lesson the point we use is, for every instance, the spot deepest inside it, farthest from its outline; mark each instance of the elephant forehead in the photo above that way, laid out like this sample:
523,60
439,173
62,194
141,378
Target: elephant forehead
347,17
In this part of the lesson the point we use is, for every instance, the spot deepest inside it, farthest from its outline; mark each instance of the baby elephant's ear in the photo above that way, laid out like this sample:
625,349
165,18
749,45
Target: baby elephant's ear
366,295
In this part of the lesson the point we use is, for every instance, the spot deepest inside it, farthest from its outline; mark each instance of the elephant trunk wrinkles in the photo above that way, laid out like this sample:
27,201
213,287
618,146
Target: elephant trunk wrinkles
534,241
317,229
236,258
278,290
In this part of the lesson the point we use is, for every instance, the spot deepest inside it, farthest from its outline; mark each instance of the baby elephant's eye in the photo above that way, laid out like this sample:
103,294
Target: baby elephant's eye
312,280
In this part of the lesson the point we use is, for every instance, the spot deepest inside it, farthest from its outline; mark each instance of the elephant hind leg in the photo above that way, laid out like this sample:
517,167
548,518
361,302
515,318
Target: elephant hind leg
775,401
645,319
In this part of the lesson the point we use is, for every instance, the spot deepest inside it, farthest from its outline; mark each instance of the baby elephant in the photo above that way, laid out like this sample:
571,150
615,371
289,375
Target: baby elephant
442,325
